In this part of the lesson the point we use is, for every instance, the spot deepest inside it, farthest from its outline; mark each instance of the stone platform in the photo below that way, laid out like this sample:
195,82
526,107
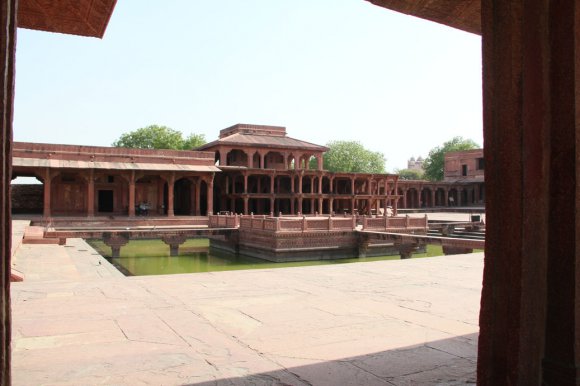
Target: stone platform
76,321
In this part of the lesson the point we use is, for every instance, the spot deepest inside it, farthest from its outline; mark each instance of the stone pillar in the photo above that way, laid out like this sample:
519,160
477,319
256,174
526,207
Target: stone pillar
272,177
529,321
174,241
446,197
47,192
245,183
223,158
131,210
210,196
170,194
320,184
192,194
198,197
460,197
116,241
160,197
331,206
292,204
292,187
300,206
246,205
320,205
433,197
262,165
351,185
297,161
250,161
91,193
272,202
331,185
300,183
7,55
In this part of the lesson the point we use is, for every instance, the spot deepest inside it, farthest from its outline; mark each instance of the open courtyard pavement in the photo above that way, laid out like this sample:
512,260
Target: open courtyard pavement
78,321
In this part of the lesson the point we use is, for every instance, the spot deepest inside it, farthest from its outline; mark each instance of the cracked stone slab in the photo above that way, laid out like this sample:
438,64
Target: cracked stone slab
378,323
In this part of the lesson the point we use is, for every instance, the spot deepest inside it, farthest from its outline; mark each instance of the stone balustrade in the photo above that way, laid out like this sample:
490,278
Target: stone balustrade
319,223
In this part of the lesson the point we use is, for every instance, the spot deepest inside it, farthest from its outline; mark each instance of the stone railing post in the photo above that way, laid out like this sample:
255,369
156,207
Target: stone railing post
408,222
386,222
353,222
278,224
330,223
304,224
364,222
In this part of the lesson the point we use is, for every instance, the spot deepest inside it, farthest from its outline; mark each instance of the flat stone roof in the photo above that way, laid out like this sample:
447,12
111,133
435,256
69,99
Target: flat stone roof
395,322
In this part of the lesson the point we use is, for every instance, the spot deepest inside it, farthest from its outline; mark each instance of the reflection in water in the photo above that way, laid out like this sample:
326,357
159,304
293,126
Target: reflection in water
151,257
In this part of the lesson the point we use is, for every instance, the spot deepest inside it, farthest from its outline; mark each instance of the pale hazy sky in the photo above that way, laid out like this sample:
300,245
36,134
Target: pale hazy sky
325,69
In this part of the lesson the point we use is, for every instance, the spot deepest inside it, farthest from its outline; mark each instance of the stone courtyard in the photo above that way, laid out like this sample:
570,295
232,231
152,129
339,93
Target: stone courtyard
77,321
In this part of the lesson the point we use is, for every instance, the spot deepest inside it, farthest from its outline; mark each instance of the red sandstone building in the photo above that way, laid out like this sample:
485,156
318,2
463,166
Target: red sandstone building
249,169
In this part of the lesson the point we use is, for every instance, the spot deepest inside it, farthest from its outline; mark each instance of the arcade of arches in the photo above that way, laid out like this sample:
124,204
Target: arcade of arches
96,181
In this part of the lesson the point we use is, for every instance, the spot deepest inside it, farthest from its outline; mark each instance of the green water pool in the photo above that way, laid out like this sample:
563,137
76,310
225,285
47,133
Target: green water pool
151,257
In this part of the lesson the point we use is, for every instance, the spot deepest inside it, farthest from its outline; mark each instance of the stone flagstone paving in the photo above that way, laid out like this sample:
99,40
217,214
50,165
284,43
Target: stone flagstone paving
408,322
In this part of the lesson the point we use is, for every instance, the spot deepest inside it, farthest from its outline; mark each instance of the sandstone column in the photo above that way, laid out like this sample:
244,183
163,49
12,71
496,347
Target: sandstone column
131,194
198,197
210,196
47,192
246,205
7,56
170,194
91,193
530,314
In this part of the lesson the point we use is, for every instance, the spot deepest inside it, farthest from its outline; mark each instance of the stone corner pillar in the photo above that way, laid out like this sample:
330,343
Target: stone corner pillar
8,23
530,312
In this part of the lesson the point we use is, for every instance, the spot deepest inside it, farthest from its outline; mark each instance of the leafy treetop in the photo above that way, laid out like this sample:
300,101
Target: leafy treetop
435,162
409,174
351,156
159,137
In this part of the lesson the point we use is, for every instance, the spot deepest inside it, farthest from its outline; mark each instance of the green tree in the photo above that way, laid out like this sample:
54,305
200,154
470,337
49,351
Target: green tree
435,162
409,174
351,156
159,137
193,141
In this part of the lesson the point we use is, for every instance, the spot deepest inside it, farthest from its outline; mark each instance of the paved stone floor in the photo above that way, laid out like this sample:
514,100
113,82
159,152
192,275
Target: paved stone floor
77,321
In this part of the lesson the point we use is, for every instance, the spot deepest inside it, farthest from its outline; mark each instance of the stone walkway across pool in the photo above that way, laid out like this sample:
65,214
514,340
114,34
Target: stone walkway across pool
77,321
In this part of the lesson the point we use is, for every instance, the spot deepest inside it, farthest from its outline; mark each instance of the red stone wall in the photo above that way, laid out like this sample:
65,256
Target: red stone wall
27,198
454,162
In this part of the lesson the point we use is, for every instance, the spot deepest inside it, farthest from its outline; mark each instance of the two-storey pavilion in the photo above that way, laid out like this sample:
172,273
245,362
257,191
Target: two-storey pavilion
265,171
